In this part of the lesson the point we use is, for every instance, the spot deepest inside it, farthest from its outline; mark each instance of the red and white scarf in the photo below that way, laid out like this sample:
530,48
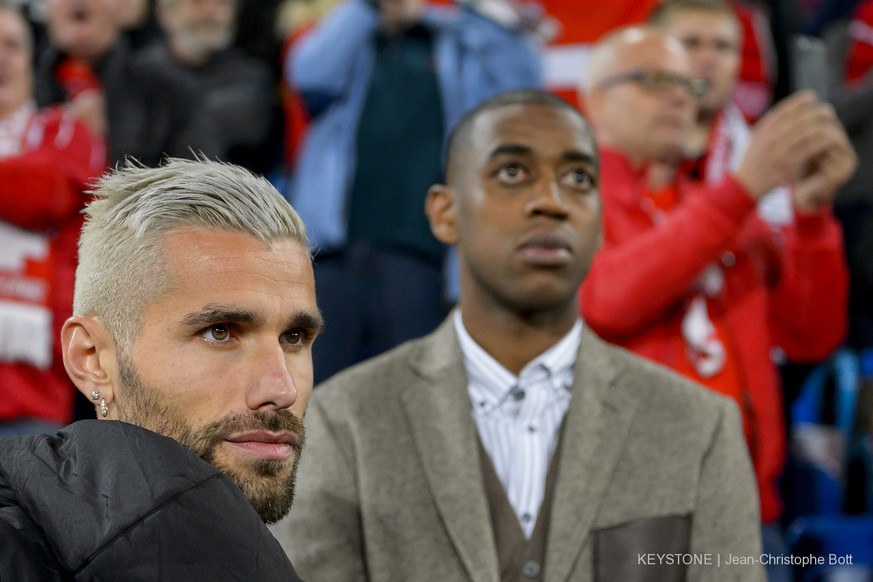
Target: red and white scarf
25,269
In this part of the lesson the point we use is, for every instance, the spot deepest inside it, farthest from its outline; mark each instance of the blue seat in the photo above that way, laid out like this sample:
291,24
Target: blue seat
844,544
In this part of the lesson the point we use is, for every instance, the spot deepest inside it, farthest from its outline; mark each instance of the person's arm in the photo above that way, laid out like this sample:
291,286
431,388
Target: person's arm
321,65
497,58
24,555
810,301
640,272
726,518
42,187
322,534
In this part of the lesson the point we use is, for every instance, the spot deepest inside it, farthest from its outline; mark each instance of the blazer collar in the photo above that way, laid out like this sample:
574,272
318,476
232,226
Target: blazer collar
597,425
438,408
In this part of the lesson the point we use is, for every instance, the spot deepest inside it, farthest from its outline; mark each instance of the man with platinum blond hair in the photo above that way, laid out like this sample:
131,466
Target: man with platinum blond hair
194,317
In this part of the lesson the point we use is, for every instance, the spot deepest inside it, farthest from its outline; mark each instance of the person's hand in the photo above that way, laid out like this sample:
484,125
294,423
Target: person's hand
784,143
826,173
89,107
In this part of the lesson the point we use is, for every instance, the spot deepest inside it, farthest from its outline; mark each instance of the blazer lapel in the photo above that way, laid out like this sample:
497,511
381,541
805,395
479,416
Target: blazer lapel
438,406
597,424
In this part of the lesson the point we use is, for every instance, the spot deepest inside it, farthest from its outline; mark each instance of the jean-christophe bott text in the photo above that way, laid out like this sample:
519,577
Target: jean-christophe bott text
718,560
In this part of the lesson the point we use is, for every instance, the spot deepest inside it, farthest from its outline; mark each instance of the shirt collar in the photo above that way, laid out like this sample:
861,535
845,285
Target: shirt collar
492,382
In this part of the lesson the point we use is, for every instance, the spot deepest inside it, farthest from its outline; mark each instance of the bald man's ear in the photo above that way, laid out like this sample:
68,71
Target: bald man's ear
441,209
90,358
594,105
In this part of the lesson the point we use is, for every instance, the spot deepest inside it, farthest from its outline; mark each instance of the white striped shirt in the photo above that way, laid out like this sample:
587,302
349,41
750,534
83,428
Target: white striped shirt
519,417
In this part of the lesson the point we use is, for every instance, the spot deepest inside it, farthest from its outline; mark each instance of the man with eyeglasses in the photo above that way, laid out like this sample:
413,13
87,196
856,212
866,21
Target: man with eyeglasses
711,32
689,275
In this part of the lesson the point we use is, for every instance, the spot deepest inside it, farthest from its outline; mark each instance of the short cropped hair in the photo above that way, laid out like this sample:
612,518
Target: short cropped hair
661,13
460,133
121,267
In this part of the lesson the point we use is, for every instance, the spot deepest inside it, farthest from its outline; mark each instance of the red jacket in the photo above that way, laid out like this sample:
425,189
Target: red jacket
785,288
41,191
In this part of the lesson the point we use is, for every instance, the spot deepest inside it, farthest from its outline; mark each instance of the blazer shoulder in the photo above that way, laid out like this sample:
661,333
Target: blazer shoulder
661,386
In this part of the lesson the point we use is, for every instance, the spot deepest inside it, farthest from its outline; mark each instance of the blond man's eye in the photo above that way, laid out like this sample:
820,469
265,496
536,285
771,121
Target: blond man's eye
217,333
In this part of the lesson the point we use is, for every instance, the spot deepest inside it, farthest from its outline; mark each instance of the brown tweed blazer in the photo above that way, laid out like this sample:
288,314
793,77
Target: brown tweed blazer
390,487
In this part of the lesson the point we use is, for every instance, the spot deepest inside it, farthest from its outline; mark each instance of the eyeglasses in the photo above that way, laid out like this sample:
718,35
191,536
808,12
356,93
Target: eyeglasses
658,82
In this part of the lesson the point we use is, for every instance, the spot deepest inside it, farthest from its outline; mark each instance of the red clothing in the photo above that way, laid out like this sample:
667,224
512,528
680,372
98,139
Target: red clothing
861,38
783,288
41,193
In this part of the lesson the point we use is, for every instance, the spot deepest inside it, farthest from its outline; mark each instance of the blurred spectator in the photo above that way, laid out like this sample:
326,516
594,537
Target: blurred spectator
382,84
712,34
236,92
144,111
689,275
46,160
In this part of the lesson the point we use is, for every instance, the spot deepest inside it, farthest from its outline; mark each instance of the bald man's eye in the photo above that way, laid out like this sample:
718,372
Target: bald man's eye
511,173
691,43
724,46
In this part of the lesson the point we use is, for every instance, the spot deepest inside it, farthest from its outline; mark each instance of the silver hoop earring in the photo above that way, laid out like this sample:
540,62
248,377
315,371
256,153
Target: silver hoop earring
104,410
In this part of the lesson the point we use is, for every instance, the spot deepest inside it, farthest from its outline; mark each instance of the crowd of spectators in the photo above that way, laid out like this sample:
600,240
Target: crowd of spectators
346,104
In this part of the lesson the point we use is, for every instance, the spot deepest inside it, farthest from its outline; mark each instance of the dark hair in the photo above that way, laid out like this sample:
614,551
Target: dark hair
461,130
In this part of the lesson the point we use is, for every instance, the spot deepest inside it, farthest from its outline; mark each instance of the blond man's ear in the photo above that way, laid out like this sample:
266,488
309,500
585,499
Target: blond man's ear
90,359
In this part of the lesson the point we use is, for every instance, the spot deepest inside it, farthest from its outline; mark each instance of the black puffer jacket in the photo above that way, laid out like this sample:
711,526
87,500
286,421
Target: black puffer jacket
110,501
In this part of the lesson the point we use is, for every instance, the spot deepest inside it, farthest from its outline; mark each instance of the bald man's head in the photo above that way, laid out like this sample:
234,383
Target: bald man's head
640,94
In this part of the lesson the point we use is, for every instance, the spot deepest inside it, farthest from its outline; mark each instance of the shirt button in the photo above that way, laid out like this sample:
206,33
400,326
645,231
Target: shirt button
530,569
531,428
728,259
526,517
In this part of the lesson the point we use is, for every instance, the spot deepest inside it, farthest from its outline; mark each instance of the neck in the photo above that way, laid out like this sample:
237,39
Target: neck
515,338
660,175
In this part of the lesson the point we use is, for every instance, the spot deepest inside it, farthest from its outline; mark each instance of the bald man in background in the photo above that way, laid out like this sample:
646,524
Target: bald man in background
689,275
